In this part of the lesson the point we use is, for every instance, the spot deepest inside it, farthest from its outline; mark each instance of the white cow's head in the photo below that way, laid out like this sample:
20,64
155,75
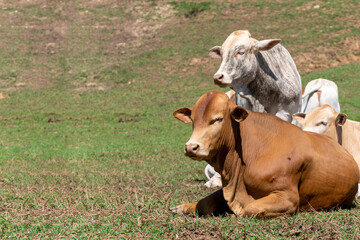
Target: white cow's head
323,120
239,64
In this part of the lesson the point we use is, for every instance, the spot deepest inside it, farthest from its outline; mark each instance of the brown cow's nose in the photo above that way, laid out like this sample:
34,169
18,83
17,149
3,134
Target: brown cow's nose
218,78
191,148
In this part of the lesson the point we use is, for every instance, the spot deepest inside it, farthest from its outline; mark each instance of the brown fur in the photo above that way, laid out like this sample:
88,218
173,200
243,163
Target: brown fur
268,166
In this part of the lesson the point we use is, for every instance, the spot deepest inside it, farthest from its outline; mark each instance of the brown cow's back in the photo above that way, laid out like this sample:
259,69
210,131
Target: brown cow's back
323,171
328,179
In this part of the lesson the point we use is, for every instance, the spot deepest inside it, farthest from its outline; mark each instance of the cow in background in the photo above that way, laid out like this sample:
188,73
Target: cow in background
319,92
262,72
325,120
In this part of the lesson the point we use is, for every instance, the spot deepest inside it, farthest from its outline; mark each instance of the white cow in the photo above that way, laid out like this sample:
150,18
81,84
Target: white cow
325,120
319,92
262,72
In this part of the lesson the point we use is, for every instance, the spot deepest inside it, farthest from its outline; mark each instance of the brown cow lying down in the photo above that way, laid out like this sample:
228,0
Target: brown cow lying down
268,167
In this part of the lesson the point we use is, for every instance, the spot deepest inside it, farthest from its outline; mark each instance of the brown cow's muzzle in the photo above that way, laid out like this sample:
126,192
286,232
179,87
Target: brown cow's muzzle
191,149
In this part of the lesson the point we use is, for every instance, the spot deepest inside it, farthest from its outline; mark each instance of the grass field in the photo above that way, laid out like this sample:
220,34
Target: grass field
88,144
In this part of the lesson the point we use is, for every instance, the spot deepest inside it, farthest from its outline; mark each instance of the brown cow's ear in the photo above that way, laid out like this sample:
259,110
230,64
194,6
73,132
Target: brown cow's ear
215,52
300,118
183,114
239,114
266,44
340,119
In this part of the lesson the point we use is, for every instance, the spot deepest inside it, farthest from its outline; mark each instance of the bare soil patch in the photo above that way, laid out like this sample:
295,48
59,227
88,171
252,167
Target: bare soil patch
76,41
2,95
64,39
323,57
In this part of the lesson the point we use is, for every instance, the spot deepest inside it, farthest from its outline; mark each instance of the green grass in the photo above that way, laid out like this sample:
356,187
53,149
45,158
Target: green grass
105,160
189,8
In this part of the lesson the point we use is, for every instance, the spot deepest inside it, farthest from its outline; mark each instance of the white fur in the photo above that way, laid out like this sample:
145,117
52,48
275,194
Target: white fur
262,72
213,177
329,95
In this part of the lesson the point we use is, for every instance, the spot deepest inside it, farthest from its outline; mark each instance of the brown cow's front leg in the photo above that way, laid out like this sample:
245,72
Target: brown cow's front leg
214,204
188,208
273,205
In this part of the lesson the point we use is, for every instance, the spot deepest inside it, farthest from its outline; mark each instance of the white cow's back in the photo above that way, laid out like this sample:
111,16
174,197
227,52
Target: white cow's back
328,94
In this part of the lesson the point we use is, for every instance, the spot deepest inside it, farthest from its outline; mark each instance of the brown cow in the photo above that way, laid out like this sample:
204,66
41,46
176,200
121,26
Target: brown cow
268,167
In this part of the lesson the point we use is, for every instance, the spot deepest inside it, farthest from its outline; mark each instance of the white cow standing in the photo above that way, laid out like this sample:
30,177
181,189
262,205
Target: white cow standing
262,72
319,92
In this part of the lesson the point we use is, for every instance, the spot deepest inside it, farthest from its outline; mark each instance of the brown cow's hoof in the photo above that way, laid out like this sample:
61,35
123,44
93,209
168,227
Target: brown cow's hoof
189,208
177,210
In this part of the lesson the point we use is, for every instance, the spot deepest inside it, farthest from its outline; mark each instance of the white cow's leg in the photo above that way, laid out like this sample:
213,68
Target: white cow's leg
251,102
242,102
209,171
214,182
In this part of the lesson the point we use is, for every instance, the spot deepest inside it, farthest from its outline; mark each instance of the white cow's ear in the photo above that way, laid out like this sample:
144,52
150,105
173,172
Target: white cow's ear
340,119
239,114
299,118
266,44
215,52
183,114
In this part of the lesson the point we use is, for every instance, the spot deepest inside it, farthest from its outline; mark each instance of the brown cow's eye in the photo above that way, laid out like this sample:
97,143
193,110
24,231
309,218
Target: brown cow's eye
219,119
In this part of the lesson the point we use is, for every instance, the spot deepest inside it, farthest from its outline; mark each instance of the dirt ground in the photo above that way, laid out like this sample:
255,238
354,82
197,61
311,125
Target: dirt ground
71,39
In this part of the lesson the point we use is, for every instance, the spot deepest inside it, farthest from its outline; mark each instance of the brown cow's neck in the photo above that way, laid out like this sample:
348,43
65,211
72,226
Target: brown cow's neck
244,141
226,144
239,142
232,166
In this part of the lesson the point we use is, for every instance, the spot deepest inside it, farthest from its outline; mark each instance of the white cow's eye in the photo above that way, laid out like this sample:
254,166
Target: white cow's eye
241,52
321,123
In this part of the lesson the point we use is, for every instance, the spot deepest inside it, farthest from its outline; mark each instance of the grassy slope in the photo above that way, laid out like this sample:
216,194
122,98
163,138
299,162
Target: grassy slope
82,161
